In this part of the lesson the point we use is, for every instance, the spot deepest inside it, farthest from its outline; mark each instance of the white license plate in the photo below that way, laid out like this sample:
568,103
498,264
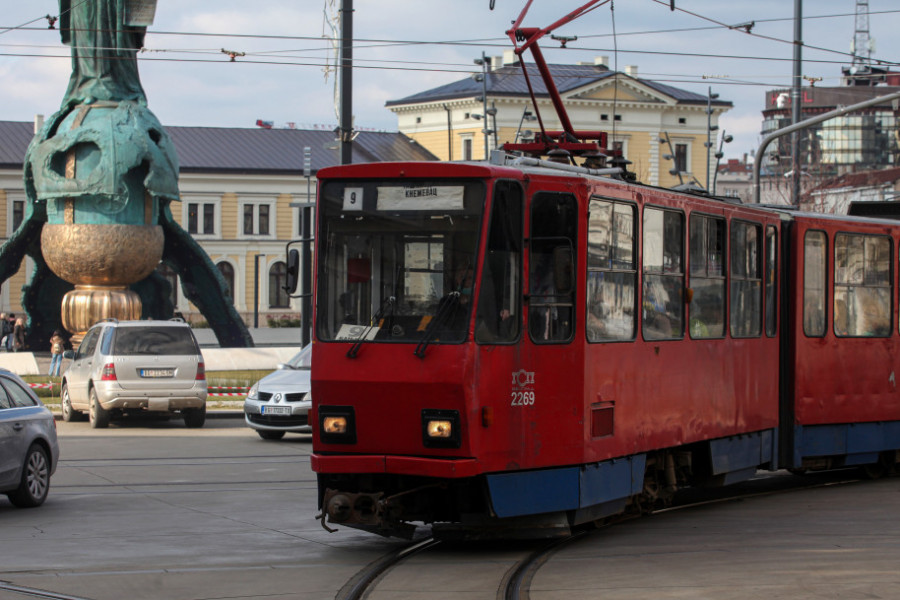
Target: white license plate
275,410
157,372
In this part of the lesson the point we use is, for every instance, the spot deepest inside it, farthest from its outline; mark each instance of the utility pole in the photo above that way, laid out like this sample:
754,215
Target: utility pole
795,100
346,127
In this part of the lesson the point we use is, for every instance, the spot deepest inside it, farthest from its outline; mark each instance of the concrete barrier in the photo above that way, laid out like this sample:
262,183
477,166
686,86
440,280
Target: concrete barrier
20,363
247,359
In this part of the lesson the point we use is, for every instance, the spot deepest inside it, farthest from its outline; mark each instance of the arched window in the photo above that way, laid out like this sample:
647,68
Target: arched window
227,272
278,297
169,273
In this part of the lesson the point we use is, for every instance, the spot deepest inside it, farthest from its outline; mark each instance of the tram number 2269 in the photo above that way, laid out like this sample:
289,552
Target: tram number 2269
525,398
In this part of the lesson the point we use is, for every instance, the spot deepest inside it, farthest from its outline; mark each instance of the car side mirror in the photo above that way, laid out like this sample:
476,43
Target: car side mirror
70,354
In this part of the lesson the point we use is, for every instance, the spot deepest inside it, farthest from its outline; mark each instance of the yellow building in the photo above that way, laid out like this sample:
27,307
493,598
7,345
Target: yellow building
641,117
242,191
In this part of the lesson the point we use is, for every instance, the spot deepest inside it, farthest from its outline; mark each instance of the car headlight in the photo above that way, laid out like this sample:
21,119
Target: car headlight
440,428
253,394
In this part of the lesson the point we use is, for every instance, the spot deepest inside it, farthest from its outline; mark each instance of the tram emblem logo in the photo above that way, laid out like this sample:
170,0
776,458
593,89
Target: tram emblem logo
523,378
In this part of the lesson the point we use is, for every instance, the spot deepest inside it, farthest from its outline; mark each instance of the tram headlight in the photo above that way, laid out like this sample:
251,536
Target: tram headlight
334,425
337,424
440,428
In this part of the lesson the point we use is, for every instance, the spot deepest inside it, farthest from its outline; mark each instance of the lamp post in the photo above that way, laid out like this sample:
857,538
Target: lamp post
484,61
709,129
726,139
527,115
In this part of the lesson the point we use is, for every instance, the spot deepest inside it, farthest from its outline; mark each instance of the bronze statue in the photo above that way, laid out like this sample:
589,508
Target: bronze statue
100,177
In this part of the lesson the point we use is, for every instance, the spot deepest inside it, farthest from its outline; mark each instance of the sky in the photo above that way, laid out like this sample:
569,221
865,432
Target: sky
402,47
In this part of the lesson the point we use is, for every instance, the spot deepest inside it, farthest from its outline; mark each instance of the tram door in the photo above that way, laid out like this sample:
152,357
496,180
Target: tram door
551,322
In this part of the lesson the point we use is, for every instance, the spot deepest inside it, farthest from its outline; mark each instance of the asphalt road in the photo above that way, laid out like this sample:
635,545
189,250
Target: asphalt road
153,510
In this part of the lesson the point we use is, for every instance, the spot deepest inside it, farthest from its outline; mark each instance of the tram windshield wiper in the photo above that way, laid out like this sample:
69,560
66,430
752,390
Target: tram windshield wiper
387,304
442,315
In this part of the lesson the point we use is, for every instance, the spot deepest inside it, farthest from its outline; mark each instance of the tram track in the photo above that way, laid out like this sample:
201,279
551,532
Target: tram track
29,592
517,579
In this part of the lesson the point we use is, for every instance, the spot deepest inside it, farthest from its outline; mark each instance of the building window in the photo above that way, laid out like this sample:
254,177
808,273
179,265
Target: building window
467,149
257,218
227,272
18,213
201,218
862,285
611,271
278,297
681,158
663,286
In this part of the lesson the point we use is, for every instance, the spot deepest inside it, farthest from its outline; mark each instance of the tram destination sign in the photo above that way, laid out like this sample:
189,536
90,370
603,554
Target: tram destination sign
425,197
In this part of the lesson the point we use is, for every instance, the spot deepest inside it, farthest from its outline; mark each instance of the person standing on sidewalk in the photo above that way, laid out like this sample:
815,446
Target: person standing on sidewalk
5,329
18,335
57,344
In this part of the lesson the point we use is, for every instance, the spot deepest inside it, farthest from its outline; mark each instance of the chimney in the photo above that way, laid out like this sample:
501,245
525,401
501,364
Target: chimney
38,123
509,57
601,61
496,62
631,70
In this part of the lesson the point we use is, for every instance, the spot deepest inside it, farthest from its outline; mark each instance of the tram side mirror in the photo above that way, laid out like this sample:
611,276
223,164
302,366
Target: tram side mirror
563,269
292,278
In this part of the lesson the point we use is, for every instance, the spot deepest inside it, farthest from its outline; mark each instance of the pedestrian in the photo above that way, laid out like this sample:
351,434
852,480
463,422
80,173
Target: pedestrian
10,326
5,329
18,335
57,343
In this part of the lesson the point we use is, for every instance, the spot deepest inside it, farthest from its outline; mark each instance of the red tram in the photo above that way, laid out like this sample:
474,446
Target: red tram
516,345
526,346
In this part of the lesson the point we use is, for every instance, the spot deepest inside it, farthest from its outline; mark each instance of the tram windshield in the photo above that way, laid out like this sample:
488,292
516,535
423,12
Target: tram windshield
398,259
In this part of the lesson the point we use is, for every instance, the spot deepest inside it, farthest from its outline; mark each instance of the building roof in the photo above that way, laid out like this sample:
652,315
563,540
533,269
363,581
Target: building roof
861,179
247,150
509,80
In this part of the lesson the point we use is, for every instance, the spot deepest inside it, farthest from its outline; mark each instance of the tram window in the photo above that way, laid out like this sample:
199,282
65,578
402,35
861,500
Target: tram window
814,261
771,281
499,308
707,307
611,271
662,308
746,280
554,222
862,285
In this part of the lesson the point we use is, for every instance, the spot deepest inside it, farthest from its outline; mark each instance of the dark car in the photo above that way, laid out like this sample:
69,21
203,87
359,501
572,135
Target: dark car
29,450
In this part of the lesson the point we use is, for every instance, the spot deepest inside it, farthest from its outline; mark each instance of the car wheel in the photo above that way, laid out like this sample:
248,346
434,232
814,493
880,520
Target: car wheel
270,435
68,413
35,483
99,416
194,417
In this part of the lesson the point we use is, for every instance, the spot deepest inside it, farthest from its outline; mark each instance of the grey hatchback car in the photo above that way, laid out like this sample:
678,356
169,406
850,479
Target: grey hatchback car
130,367
279,403
29,450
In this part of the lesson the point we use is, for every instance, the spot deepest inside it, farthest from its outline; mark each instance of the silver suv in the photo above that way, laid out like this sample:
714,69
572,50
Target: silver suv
124,367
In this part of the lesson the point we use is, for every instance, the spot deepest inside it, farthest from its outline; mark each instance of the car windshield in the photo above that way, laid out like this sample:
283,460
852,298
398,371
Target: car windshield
302,360
394,253
150,340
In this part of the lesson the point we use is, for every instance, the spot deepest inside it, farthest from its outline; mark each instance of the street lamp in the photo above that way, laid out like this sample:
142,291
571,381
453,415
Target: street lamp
726,139
484,62
709,129
527,115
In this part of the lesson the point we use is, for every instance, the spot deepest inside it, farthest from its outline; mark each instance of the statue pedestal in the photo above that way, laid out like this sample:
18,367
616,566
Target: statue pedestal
88,304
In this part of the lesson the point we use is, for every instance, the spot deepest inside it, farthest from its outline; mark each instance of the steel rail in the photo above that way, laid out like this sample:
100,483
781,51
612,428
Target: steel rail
6,586
361,584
